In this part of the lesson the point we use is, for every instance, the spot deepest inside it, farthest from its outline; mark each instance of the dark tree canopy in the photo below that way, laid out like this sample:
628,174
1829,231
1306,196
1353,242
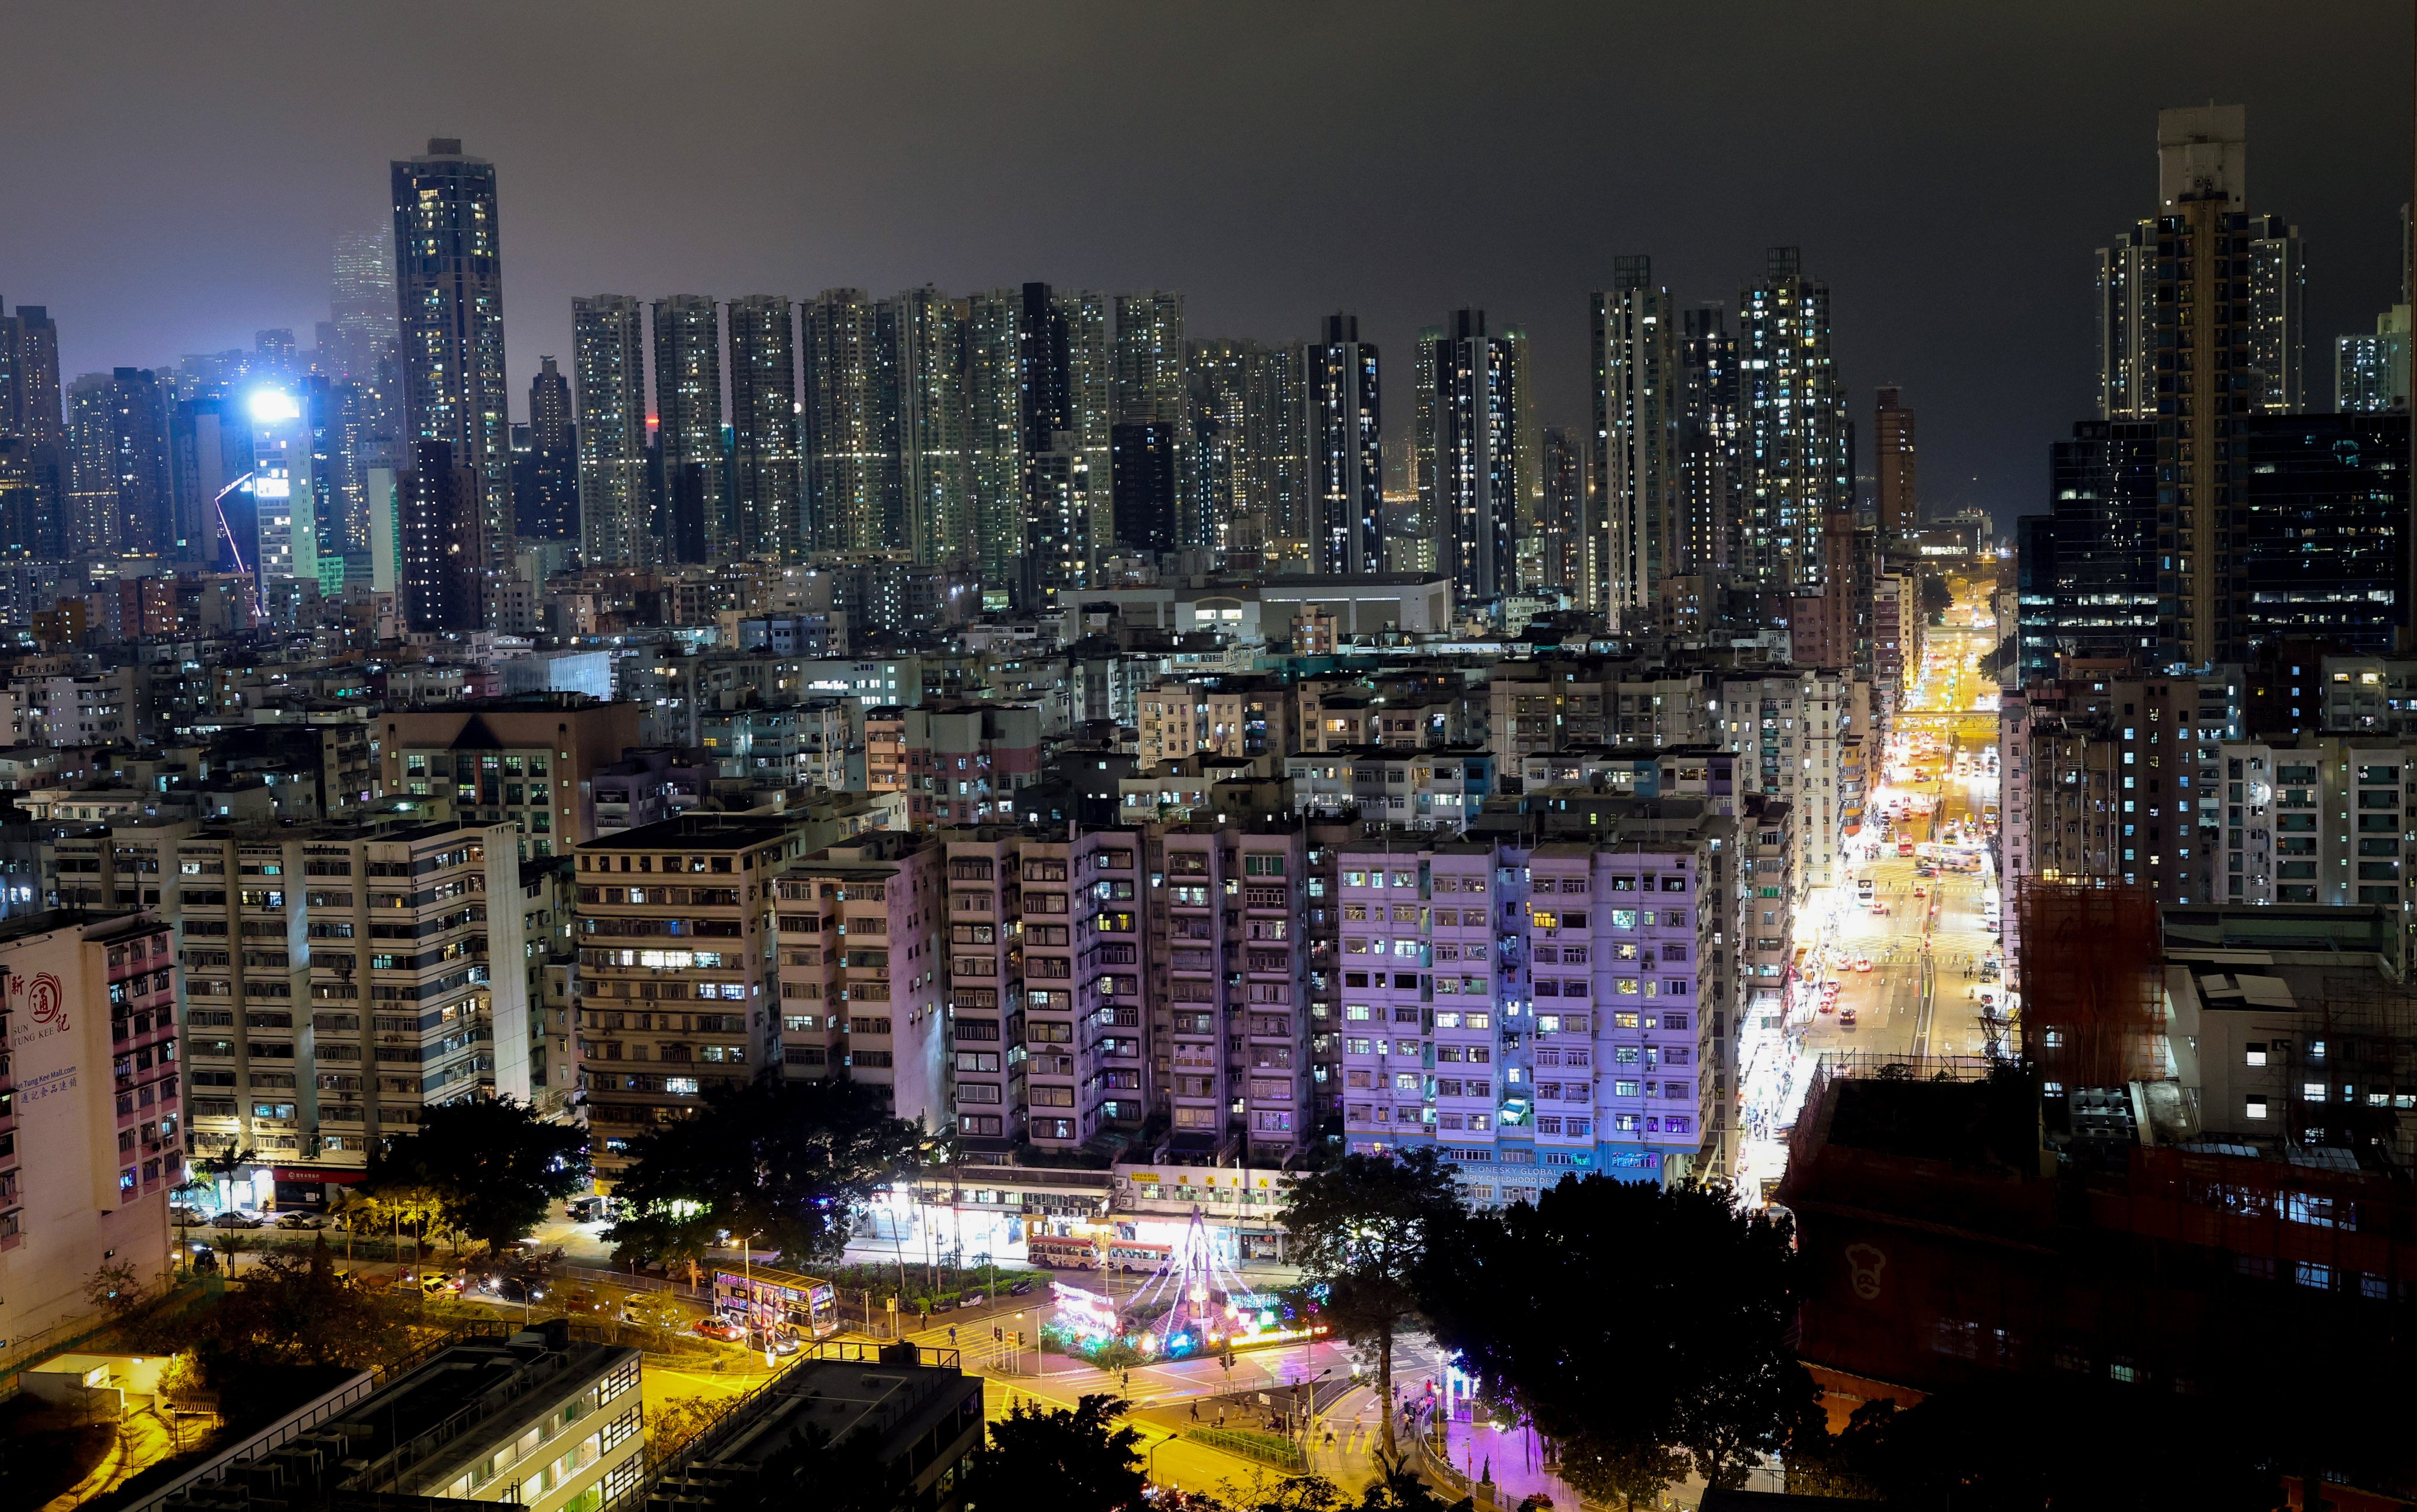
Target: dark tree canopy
292,1310
1059,1460
493,1166
1962,1449
1626,1317
1360,1228
783,1165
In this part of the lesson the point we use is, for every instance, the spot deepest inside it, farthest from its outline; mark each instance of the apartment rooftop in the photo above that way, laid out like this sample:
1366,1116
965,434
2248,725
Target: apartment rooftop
23,925
698,831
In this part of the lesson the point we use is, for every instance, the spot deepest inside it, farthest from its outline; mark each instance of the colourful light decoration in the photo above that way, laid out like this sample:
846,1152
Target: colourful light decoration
1206,1308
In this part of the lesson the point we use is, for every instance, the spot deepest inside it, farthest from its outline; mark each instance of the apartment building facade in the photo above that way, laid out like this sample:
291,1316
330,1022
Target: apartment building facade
1532,1015
336,979
861,935
677,973
530,762
1230,975
87,1159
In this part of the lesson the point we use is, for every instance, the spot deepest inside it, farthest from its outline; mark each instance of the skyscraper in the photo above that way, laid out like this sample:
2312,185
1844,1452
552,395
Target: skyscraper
35,474
2202,177
1561,525
1414,544
993,346
1250,452
546,487
2371,372
1636,442
442,516
119,454
1149,358
362,303
1893,443
1711,444
2200,326
1347,463
359,356
1794,425
767,462
688,428
92,486
449,295
923,344
608,363
1144,459
1477,414
1090,403
851,445
30,394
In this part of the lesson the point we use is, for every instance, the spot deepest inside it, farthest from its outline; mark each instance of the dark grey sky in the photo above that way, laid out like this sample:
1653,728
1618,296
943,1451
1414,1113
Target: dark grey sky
174,173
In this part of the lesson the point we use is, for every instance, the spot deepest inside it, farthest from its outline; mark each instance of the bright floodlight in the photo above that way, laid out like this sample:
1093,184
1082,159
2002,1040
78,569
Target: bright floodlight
273,405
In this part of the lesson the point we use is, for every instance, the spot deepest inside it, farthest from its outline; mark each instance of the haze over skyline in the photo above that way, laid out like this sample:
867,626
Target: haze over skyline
1948,174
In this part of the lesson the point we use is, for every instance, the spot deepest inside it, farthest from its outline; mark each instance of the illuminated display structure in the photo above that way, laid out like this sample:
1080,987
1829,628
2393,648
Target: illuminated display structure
1193,1304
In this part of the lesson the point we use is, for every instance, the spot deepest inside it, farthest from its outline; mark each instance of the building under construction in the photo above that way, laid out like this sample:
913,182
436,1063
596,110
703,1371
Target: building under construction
2093,1004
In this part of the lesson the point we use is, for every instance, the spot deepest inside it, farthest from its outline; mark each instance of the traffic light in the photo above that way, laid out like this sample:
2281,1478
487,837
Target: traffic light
997,1334
1019,1339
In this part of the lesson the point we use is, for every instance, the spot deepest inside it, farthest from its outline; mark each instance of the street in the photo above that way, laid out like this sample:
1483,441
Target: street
1896,970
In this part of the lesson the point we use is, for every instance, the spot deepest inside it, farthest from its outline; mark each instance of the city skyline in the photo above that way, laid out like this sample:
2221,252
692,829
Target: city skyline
1877,215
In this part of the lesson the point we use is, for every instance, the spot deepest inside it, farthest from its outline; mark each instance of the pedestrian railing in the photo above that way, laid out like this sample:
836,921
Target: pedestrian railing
1264,1448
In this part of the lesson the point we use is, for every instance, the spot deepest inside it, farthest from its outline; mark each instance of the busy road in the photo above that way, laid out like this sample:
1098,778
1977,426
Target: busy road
1899,958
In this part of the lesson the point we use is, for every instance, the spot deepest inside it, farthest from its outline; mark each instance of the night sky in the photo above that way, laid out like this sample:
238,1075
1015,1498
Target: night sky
174,173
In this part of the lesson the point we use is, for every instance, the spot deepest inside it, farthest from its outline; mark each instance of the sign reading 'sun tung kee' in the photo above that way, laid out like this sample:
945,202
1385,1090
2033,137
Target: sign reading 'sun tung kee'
38,1012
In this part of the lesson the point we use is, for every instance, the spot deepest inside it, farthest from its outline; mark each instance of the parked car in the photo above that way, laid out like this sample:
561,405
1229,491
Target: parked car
237,1218
299,1220
774,1344
182,1217
648,1310
579,1299
720,1328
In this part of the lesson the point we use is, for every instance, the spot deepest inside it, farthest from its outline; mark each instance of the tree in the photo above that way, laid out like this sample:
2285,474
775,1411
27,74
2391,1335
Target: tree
1042,1459
1361,1229
1936,597
1288,1494
493,1165
215,1169
1629,1318
295,1312
1620,1471
670,1425
112,1289
783,1165
1397,1487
